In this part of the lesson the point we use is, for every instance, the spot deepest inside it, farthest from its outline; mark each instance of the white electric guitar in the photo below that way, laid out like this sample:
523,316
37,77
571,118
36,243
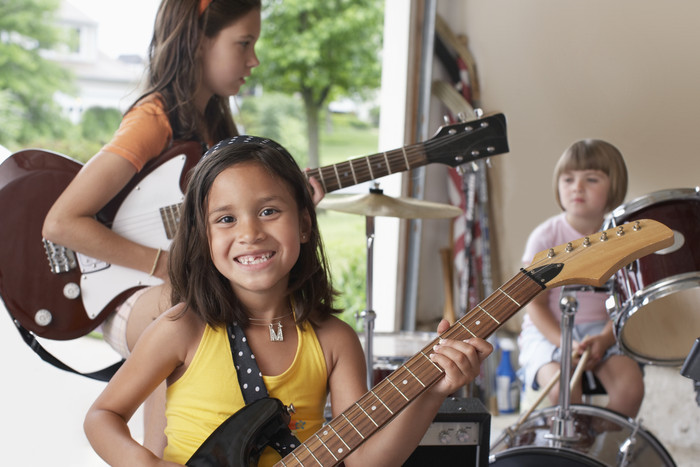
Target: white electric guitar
70,294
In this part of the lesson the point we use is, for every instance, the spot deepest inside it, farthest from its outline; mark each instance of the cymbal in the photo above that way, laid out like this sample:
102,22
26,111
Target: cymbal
377,204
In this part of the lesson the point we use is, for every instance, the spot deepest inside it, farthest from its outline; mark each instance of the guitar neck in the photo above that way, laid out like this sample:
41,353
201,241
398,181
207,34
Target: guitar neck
382,403
363,169
170,216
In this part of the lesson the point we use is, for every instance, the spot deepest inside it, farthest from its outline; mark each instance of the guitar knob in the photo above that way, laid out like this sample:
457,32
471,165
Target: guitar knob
43,317
71,291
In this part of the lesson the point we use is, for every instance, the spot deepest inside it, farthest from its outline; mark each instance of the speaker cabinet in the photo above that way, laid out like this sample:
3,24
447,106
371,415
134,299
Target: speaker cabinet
458,436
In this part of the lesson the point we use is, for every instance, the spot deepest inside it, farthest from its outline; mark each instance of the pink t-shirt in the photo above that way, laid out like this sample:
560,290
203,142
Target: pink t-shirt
553,232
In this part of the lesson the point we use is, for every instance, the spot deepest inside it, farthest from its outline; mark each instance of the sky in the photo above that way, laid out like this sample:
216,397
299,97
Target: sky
125,26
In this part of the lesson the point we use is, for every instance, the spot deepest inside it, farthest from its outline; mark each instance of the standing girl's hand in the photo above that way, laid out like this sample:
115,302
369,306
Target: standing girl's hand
316,189
461,360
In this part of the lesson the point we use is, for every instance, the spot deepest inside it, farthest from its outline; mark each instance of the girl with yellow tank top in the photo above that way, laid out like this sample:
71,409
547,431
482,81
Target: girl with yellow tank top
248,253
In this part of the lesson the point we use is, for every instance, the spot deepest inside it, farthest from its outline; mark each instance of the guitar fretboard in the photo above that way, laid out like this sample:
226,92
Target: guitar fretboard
363,169
346,432
170,216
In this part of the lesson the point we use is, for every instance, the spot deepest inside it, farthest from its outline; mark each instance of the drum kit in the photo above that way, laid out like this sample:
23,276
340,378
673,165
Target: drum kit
654,307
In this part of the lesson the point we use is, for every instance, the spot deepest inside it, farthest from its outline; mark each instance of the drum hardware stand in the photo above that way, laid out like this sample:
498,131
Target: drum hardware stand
368,314
563,423
624,269
691,368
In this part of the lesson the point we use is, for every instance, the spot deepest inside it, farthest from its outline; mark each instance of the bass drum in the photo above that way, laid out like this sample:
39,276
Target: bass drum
654,301
605,438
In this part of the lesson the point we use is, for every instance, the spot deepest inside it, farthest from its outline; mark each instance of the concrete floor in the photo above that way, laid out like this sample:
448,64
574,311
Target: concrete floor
43,407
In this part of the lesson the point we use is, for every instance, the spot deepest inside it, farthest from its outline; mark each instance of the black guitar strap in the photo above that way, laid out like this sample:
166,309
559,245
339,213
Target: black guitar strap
253,386
100,375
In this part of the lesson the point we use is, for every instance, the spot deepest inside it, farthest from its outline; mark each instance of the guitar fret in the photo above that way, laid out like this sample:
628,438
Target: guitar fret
339,437
335,169
312,454
352,169
397,388
327,448
323,179
489,314
298,460
432,362
467,329
369,166
501,290
386,161
413,374
405,158
368,416
380,400
352,425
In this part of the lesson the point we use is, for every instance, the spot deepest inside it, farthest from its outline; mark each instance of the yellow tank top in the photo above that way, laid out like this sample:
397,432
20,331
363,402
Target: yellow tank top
208,393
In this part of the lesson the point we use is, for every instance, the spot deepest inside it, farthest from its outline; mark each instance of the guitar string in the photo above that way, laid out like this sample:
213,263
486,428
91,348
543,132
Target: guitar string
413,152
387,395
498,297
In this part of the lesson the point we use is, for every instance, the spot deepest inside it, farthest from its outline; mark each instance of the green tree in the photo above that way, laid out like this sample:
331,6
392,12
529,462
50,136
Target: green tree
99,123
28,82
320,49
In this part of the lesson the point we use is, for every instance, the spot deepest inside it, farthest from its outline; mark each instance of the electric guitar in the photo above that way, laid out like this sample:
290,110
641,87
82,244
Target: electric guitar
587,261
60,294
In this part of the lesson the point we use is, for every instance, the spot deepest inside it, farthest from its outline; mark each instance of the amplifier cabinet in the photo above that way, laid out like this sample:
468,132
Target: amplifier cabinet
458,436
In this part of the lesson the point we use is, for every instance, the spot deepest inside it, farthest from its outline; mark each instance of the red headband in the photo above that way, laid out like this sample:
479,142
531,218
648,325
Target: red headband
203,4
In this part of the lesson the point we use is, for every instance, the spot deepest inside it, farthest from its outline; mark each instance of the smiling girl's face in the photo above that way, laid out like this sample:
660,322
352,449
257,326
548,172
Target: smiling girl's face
255,229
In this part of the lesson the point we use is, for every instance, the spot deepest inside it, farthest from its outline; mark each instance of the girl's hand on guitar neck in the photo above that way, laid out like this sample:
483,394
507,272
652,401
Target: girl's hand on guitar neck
461,360
317,192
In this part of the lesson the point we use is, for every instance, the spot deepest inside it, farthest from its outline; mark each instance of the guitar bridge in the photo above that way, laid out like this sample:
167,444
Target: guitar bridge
61,259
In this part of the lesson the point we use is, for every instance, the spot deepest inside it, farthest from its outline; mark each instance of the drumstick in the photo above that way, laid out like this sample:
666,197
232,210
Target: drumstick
576,377
549,386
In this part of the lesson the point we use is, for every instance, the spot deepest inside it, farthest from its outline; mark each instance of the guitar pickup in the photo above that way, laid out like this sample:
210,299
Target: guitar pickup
61,259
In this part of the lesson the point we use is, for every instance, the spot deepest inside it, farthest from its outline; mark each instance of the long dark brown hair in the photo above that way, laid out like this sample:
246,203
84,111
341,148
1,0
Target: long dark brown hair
174,64
193,276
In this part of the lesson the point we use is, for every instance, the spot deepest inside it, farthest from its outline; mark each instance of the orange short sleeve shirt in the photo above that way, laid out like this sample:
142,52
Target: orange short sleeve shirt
143,134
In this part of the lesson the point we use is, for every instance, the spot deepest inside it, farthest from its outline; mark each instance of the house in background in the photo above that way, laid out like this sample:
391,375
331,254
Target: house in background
100,81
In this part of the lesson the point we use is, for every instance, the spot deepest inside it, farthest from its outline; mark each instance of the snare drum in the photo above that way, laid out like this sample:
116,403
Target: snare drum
391,350
605,438
655,300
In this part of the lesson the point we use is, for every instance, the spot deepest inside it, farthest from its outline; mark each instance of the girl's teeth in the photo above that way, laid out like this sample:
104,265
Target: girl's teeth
253,259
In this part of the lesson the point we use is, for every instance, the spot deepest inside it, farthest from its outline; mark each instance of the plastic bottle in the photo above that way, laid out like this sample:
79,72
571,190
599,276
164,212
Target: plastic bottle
507,384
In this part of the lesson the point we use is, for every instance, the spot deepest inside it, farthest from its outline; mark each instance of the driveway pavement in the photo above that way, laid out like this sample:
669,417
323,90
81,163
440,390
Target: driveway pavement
42,407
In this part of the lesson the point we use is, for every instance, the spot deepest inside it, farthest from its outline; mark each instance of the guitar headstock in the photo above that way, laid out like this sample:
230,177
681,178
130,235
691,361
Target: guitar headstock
465,142
592,260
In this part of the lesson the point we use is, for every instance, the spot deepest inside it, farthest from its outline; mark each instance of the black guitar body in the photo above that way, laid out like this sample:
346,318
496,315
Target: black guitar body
240,440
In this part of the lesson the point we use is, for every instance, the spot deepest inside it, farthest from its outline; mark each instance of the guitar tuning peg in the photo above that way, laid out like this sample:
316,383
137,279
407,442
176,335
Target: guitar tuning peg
460,170
475,166
479,112
461,117
446,119
488,163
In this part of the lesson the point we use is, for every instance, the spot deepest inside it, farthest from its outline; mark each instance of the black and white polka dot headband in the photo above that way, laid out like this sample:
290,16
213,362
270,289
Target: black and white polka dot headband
243,139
